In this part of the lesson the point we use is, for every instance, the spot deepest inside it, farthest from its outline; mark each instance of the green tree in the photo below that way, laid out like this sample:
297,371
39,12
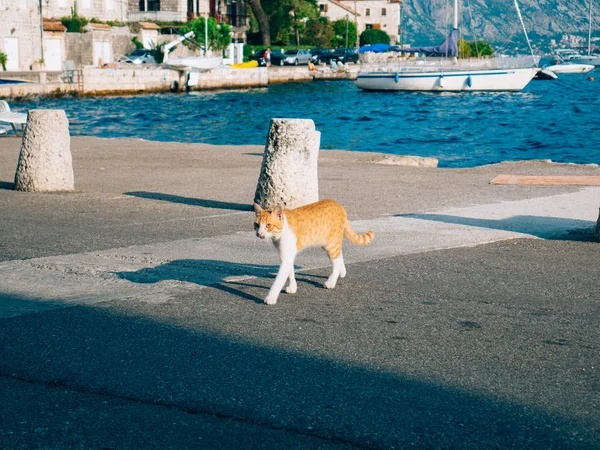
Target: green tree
318,32
474,49
219,34
372,36
262,18
3,60
339,33
287,19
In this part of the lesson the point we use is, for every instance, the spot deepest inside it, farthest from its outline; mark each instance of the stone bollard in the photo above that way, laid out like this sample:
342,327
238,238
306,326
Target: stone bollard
45,162
288,175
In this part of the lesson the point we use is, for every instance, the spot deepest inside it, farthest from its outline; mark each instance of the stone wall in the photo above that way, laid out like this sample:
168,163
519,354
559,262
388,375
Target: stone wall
129,81
79,46
234,78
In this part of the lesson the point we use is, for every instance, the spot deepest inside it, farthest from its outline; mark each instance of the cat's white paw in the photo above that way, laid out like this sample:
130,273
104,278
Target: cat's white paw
343,273
329,284
270,299
291,289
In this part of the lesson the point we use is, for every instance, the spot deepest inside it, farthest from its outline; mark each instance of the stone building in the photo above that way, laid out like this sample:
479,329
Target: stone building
21,33
105,10
377,14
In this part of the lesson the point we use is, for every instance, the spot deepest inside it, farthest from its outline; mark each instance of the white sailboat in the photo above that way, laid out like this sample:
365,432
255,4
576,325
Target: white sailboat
447,73
572,57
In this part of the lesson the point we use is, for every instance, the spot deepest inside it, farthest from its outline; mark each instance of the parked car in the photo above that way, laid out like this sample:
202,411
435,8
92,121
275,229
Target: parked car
345,55
139,56
315,53
295,57
276,57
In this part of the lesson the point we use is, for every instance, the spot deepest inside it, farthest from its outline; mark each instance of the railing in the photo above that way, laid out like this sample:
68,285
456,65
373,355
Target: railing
162,16
393,62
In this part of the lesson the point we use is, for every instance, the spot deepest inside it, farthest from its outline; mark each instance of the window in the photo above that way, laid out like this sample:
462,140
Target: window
323,8
153,5
368,12
383,12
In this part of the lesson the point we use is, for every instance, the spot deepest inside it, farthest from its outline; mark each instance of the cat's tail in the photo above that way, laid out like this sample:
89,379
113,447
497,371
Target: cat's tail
355,238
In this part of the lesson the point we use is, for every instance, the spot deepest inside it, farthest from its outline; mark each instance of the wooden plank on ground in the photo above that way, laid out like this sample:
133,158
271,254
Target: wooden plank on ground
547,180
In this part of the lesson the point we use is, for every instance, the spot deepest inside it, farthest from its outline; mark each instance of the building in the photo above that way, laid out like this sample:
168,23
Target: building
377,14
21,34
32,36
105,10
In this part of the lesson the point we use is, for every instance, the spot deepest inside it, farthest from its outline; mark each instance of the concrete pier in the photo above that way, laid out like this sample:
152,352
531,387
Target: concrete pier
131,311
147,79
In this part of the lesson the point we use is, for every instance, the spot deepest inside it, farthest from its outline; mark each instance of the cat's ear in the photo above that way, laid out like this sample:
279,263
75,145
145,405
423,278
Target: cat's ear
257,208
278,211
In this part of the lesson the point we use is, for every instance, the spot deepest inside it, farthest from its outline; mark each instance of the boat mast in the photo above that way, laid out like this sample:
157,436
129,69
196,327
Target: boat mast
590,31
456,14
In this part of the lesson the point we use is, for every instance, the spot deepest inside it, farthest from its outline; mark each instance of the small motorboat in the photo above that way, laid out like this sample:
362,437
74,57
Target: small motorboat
569,68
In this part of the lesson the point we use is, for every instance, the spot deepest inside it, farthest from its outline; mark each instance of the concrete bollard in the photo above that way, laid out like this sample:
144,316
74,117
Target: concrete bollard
45,162
288,175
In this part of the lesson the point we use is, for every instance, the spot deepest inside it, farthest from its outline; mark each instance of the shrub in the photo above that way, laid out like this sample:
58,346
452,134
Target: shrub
137,42
372,36
3,60
74,23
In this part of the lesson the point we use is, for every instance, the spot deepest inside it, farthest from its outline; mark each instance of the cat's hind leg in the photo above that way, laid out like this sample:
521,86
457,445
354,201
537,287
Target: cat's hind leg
343,268
337,261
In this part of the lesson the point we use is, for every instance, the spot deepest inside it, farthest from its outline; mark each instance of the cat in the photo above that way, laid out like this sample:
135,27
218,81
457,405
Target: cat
321,224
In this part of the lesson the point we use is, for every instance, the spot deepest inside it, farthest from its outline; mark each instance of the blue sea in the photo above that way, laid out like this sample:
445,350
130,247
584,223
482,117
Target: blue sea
557,120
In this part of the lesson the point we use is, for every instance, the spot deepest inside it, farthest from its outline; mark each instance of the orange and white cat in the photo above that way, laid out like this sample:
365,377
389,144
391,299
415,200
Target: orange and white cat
320,224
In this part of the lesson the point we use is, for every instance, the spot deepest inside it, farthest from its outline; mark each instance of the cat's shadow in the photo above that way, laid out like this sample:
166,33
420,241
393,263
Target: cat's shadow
227,276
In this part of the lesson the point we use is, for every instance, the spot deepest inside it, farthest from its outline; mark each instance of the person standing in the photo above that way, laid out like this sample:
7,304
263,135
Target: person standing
268,57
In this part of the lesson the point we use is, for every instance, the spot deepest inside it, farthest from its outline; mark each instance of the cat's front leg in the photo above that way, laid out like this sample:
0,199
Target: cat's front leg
292,287
282,275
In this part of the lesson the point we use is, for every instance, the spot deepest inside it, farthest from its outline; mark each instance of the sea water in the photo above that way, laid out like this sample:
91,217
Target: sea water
557,120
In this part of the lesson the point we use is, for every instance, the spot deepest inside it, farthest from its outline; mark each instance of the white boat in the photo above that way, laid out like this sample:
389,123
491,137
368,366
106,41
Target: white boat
201,63
569,68
445,72
190,63
570,56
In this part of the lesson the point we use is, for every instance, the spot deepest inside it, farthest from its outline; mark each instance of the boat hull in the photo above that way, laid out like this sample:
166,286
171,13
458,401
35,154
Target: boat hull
201,63
448,81
570,68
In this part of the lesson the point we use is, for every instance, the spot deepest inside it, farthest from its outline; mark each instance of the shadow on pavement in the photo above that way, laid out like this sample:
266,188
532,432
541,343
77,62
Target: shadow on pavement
557,228
175,363
222,275
190,201
9,186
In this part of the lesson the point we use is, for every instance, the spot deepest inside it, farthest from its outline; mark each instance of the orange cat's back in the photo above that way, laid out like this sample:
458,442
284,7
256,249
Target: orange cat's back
317,224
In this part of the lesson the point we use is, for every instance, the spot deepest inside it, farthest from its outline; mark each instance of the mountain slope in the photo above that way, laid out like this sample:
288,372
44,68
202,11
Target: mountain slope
495,21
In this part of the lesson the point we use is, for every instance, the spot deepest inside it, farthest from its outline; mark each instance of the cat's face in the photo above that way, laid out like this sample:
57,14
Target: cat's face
268,224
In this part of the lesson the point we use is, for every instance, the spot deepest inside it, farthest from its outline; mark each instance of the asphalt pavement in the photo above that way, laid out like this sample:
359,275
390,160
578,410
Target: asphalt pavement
131,311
